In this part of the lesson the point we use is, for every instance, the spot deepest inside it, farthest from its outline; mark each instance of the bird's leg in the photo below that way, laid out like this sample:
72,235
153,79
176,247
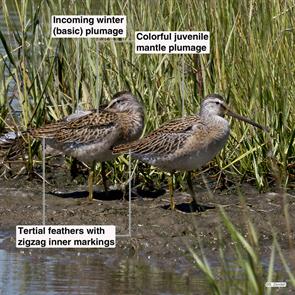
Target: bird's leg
194,204
103,175
171,193
190,186
90,182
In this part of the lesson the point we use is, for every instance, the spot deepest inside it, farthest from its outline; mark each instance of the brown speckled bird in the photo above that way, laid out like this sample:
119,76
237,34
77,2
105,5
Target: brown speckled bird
186,144
91,135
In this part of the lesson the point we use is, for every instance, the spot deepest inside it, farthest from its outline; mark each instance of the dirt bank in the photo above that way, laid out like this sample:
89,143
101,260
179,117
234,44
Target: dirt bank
157,233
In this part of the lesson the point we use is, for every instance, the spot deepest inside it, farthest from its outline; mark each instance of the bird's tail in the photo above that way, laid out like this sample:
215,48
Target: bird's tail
47,131
12,145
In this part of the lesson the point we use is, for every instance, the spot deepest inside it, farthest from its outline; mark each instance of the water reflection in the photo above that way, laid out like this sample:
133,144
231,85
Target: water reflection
72,272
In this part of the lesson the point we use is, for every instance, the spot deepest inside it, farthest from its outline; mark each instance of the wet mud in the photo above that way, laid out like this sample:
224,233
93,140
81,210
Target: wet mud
160,236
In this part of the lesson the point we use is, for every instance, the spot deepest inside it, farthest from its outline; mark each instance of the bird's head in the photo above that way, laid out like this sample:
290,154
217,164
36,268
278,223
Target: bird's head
213,104
125,101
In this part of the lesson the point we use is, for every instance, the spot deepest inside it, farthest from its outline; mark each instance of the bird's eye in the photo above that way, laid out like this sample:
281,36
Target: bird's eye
217,102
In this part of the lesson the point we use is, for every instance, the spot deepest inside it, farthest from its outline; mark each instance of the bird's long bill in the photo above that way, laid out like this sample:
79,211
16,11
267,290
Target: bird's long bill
242,118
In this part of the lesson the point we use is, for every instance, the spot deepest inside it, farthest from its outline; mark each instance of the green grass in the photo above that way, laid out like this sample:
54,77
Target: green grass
247,275
252,63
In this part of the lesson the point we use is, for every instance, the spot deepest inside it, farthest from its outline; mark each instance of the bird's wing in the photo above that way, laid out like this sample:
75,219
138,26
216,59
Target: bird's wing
86,129
165,140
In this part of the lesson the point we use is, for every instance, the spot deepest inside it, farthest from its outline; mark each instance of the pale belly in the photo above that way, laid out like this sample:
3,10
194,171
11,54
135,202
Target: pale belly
93,152
191,160
86,153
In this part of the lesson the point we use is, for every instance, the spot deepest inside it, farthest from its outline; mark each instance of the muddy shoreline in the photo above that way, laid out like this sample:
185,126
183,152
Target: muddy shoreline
159,235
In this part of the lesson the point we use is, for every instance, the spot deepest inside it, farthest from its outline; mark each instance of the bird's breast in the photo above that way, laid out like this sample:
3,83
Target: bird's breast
131,126
201,147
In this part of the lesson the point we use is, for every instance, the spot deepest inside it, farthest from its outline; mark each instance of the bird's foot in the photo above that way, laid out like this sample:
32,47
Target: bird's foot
87,202
172,206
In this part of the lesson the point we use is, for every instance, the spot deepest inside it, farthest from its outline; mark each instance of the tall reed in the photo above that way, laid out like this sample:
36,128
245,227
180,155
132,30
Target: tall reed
251,63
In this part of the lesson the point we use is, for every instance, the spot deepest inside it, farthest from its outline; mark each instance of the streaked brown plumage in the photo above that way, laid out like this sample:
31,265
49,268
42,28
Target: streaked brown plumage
90,136
186,144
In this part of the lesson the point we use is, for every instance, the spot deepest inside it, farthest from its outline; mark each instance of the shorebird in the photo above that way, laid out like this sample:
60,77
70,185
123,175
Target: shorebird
90,135
186,144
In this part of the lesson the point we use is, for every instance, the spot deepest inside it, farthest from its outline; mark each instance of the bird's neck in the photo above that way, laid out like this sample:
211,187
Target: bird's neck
207,114
132,124
212,118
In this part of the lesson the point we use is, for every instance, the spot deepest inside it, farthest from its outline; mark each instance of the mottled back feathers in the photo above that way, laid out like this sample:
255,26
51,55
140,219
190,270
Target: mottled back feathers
90,135
166,140
86,129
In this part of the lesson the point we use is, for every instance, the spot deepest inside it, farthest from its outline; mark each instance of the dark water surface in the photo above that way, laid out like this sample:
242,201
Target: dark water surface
32,271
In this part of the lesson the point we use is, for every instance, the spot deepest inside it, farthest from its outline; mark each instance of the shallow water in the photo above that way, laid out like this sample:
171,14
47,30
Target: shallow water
78,272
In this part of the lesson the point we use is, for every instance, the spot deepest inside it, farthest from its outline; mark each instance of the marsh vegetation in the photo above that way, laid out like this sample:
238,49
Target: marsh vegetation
251,63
